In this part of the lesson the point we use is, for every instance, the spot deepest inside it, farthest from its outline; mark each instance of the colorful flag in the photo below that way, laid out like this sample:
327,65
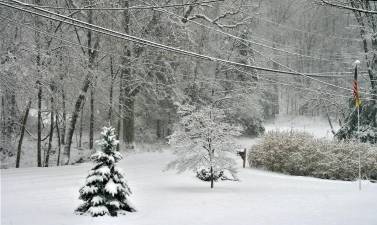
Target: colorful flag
355,90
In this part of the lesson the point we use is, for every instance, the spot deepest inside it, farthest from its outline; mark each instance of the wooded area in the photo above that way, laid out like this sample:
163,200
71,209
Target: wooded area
71,67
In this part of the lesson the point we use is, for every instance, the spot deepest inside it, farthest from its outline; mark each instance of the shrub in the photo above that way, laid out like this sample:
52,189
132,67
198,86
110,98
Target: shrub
205,175
299,153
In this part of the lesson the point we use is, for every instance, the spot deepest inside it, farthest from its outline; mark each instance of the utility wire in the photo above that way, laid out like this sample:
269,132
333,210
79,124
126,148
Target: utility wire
152,7
245,40
71,44
249,41
294,85
193,4
139,7
131,38
308,32
297,87
158,8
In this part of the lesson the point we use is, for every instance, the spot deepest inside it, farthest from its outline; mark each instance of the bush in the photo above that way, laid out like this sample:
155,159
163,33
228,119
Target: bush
298,153
205,175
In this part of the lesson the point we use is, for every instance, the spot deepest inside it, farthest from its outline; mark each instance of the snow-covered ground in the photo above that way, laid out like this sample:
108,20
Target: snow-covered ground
48,196
317,126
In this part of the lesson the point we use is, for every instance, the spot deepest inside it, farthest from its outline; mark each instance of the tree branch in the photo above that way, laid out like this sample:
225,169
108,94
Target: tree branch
216,20
341,6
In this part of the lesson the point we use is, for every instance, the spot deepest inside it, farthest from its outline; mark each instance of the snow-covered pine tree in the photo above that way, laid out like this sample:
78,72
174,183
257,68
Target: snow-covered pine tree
203,140
368,123
105,191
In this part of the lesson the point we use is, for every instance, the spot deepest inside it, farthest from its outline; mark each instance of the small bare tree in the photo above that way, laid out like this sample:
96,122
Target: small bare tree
203,140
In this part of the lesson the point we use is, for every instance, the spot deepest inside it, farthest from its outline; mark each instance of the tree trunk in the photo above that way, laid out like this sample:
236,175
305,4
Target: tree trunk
75,113
51,133
3,124
58,136
129,122
62,75
127,98
158,129
330,123
91,122
39,125
212,178
62,89
8,114
64,120
92,54
119,120
112,76
37,24
24,121
81,122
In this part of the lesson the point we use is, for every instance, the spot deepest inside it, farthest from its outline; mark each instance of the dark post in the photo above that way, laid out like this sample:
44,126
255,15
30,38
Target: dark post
242,154
244,158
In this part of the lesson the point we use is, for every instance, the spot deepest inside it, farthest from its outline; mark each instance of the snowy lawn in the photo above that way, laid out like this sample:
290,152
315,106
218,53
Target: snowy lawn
316,126
48,196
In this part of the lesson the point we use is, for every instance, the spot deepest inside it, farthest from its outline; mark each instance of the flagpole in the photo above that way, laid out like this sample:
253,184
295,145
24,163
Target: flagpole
358,129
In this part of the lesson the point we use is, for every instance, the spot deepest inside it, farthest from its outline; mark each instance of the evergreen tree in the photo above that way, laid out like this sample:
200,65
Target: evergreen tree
204,140
105,191
368,123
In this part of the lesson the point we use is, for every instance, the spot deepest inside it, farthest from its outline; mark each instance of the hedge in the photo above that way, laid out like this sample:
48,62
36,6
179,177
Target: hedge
299,153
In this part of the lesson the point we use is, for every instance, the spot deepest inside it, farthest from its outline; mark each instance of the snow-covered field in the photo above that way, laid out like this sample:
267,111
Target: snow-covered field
48,196
316,126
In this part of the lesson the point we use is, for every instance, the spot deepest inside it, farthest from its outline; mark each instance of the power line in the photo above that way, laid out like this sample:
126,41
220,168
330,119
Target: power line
62,39
131,38
123,56
169,6
249,41
245,40
308,32
175,49
294,85
189,4
209,80
297,87
139,7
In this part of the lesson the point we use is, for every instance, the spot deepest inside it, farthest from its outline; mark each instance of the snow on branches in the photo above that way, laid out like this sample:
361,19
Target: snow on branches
105,191
202,140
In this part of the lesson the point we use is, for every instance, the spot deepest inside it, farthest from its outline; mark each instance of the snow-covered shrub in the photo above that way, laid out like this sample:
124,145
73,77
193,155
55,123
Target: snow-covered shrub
205,174
299,153
202,139
105,191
